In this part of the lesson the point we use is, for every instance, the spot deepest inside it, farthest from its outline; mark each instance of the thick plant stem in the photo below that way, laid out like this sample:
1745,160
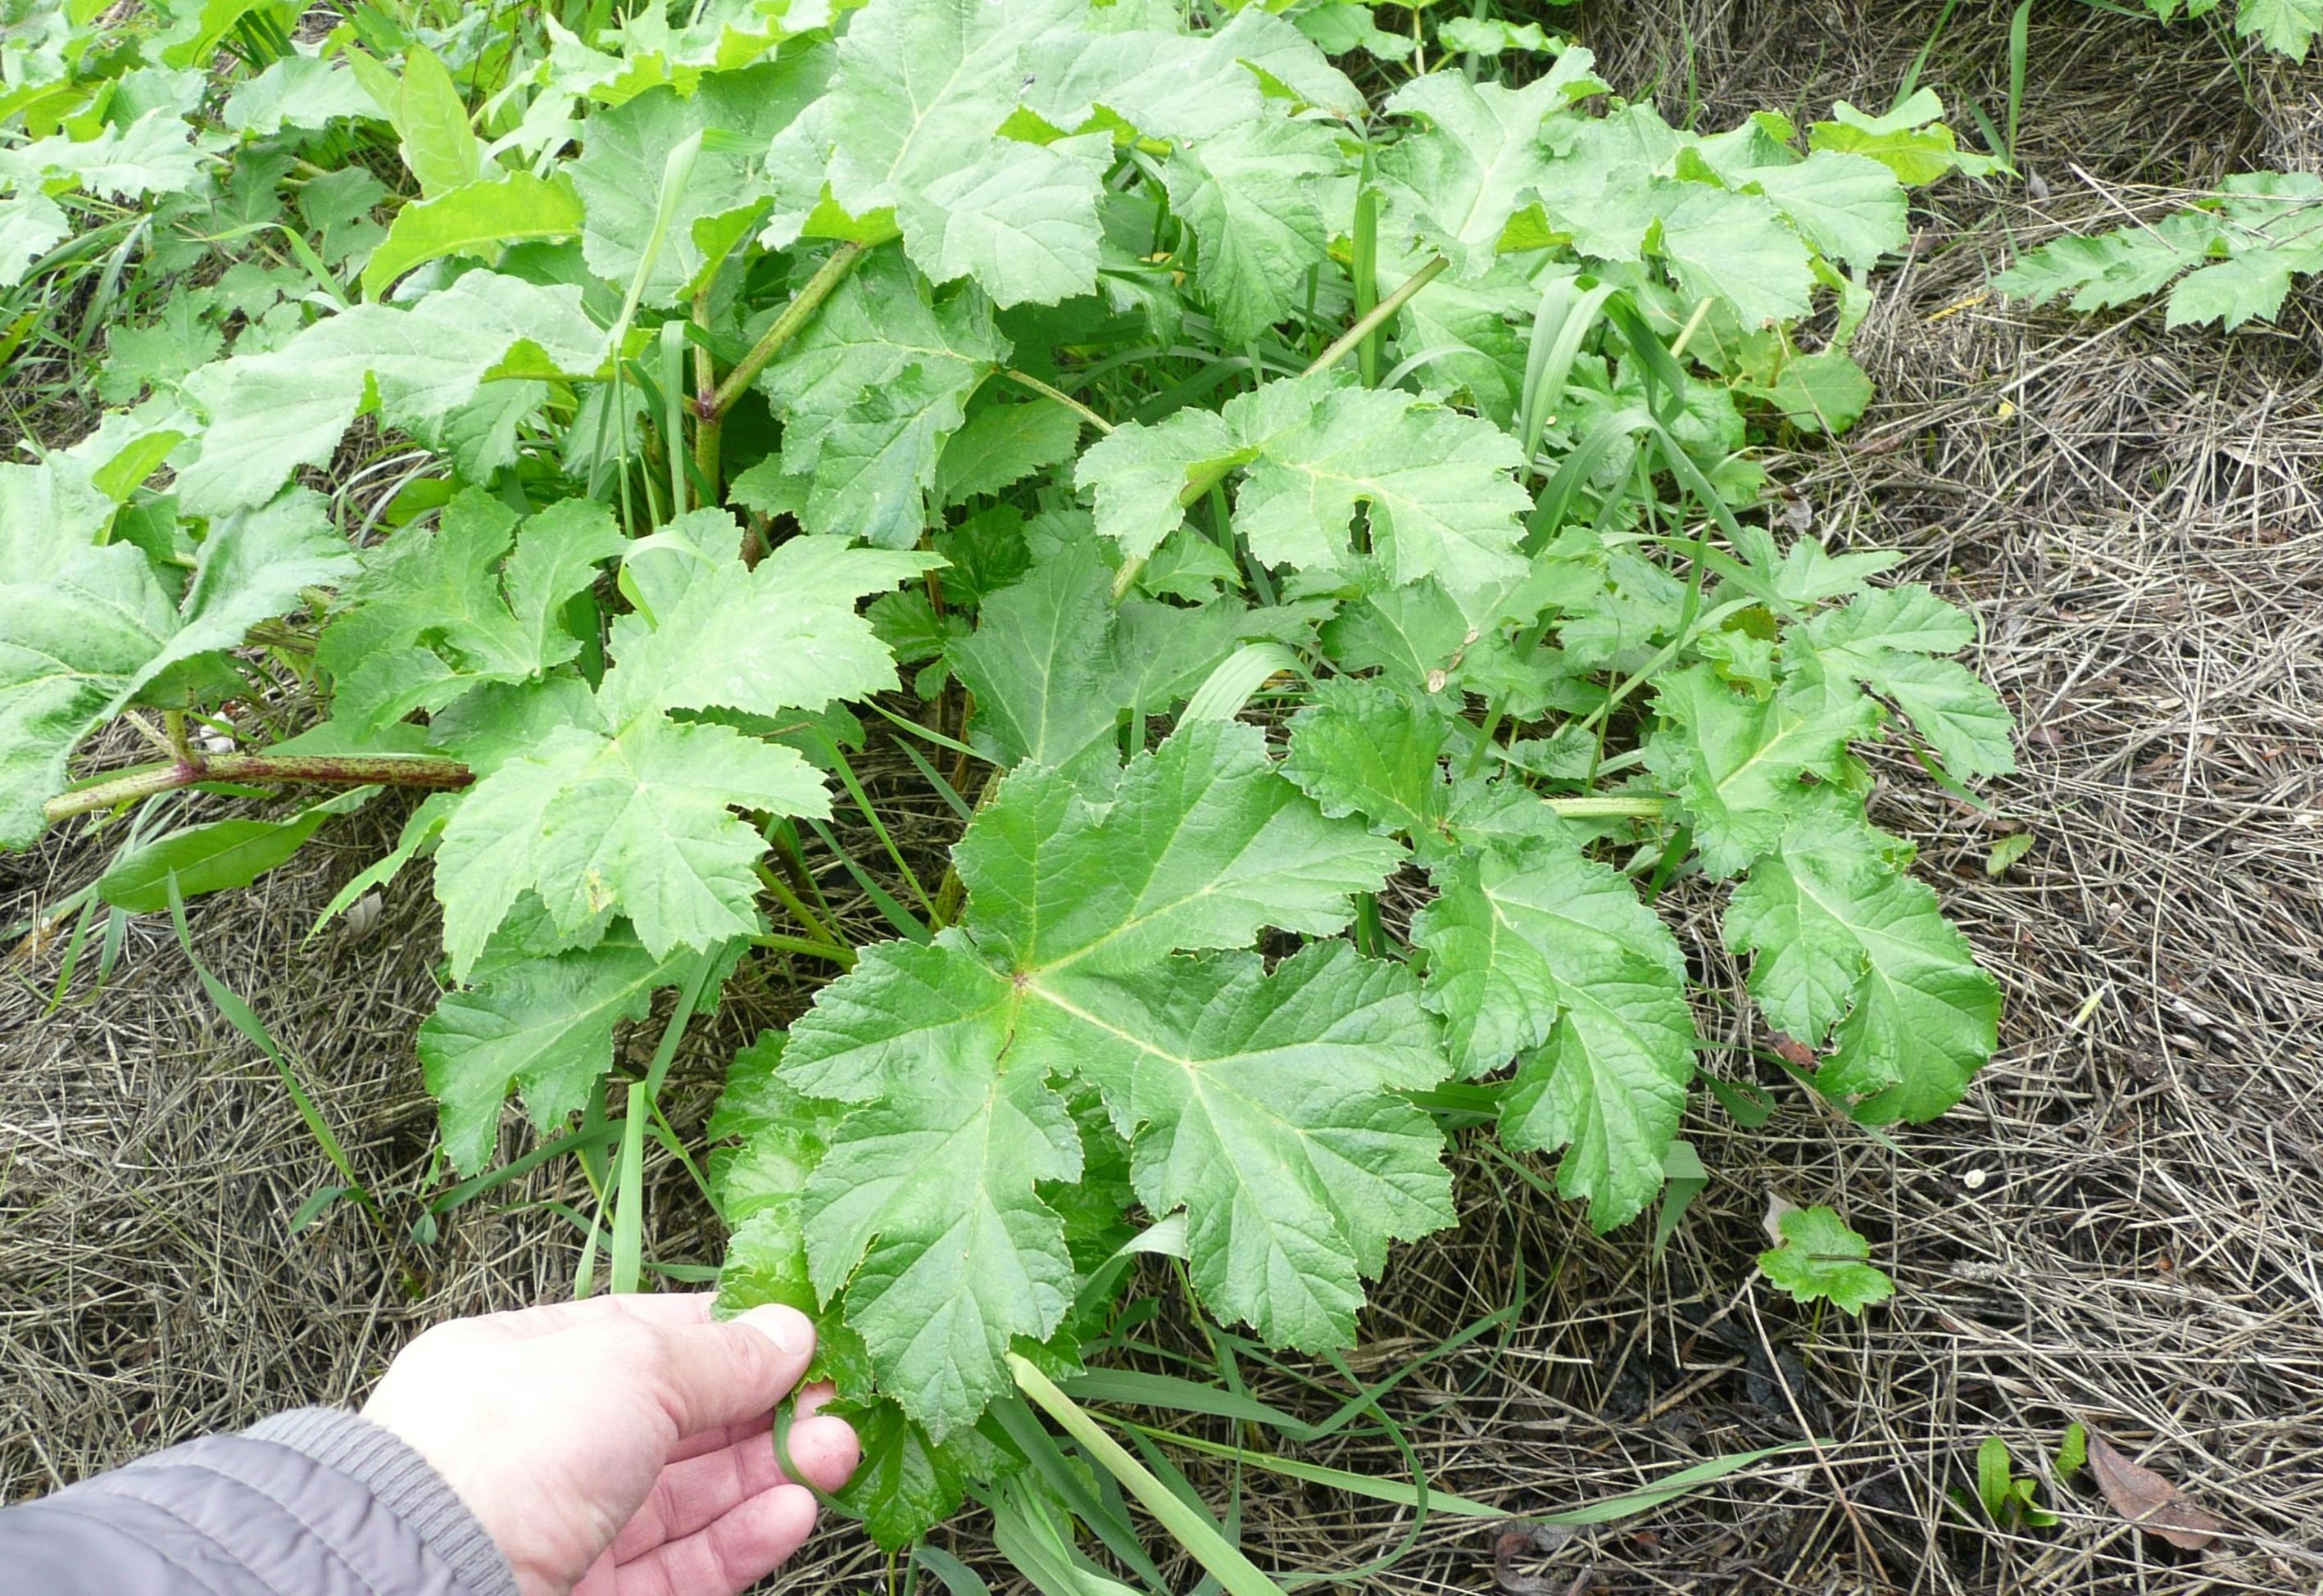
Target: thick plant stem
1370,321
787,325
706,427
342,771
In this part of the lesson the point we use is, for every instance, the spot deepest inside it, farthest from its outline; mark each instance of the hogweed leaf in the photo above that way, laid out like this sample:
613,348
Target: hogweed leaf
1887,639
1850,207
636,819
925,1210
1438,487
782,634
1138,473
1002,445
1079,897
912,126
1201,843
1263,1105
1056,667
1745,767
1845,946
85,630
870,392
544,1026
2287,27
482,219
273,413
1480,157
437,611
618,178
1547,954
1361,747
1258,199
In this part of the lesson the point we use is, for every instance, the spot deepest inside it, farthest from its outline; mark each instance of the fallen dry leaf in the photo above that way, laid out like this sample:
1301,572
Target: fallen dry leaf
1524,1539
1794,1052
2148,1501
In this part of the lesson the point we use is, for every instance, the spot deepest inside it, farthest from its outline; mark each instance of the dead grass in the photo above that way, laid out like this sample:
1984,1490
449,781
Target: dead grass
2120,1224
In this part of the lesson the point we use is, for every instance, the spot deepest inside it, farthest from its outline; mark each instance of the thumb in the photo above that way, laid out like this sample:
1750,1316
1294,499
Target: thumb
707,1376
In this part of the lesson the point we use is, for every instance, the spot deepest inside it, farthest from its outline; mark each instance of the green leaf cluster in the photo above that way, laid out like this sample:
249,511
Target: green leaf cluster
2230,259
1324,528
2287,27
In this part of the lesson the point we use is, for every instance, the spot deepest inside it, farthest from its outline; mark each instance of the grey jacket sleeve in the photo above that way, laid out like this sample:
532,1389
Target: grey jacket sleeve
310,1503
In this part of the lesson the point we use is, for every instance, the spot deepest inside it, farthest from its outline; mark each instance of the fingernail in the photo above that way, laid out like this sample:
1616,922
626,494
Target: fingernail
785,1326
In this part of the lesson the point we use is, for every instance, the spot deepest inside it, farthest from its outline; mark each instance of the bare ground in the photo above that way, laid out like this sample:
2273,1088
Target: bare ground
2119,1225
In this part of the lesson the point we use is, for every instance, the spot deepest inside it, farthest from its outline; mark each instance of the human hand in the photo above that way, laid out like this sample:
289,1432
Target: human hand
621,1446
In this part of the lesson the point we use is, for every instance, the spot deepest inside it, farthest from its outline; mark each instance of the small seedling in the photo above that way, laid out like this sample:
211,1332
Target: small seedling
2011,1501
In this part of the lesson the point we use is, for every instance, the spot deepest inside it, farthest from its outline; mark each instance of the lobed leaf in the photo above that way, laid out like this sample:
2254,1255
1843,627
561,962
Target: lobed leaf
1846,947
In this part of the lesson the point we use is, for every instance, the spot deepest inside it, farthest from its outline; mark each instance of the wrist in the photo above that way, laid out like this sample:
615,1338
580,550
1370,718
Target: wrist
401,1482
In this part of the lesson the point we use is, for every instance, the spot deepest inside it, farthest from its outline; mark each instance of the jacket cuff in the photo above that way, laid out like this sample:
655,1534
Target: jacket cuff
400,1480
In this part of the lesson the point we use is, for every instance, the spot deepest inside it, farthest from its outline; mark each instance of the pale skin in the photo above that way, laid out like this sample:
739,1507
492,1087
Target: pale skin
623,1445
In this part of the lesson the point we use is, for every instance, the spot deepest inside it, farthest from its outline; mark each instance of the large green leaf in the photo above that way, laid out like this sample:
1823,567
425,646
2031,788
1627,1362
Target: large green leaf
1201,843
623,170
1260,199
273,413
437,611
2239,253
1362,747
1887,639
1263,1104
912,126
2286,26
782,635
1743,767
1076,903
1056,667
543,1025
1540,951
1848,206
602,802
297,91
30,225
1436,486
925,1210
85,628
155,155
438,146
1844,946
1480,157
635,818
869,394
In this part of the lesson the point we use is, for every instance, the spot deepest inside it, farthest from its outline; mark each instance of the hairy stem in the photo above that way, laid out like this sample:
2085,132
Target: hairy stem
787,327
708,418
342,771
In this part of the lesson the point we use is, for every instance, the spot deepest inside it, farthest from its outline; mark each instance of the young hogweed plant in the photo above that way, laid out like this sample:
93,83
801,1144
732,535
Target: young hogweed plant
1133,369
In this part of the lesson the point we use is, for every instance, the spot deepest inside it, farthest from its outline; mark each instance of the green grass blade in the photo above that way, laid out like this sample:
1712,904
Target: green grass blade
627,1246
1236,1572
244,1019
957,1577
1403,1493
